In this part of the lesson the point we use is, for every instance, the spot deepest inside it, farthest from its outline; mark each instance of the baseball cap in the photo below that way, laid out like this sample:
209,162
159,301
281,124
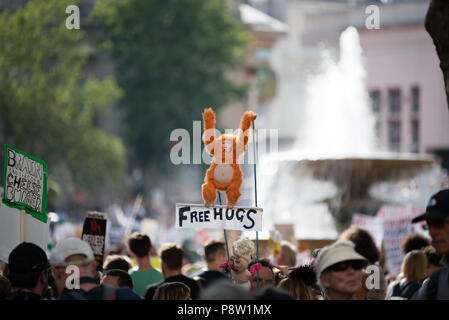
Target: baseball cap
437,208
27,258
69,247
339,251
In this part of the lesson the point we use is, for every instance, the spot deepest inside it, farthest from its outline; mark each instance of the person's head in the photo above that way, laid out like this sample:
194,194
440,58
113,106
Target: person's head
117,278
242,252
414,241
437,220
70,253
414,265
300,283
139,245
266,276
172,291
28,268
339,270
116,261
225,290
288,254
171,258
433,260
363,241
214,254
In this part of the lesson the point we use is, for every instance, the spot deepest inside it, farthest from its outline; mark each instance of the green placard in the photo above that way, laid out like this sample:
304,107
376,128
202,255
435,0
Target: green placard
25,183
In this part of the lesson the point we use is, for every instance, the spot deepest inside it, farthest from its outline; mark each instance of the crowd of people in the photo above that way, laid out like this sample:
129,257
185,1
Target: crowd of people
348,269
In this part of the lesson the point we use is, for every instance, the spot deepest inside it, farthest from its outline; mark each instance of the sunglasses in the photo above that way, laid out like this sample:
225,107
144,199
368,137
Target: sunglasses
342,266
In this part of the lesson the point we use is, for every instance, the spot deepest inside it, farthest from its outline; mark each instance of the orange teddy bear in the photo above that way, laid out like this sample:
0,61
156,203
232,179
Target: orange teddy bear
224,172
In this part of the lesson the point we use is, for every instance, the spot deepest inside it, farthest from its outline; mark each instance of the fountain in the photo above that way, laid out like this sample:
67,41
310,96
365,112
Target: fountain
335,161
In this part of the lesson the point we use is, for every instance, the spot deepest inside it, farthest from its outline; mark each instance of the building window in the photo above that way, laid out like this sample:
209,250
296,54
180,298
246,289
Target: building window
415,136
394,135
377,129
394,101
415,99
375,101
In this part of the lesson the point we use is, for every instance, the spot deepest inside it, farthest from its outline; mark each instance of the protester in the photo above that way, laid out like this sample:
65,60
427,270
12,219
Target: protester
288,255
117,278
172,291
215,255
28,272
143,274
414,241
364,244
300,282
78,253
116,261
171,261
74,271
437,222
339,270
433,260
414,269
262,274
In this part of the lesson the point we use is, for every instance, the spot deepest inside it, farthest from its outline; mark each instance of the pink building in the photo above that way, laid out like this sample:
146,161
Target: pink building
406,88
404,79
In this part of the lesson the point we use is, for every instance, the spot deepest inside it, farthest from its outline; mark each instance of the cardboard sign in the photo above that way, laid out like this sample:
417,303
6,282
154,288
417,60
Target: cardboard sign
25,183
198,216
37,231
397,225
94,232
274,247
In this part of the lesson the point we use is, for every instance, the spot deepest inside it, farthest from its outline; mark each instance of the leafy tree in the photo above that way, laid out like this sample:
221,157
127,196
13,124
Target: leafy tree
173,59
48,105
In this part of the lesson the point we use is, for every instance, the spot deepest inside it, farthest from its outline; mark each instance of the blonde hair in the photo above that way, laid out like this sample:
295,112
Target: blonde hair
172,291
414,265
297,289
243,248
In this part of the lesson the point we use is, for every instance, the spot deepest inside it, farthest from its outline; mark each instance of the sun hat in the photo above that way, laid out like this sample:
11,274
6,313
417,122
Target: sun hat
339,251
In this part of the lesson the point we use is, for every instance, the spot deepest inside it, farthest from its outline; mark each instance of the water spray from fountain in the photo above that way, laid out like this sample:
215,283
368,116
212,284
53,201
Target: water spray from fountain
336,161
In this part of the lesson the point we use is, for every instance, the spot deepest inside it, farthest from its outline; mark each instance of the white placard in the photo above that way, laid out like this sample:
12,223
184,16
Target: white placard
198,216
37,231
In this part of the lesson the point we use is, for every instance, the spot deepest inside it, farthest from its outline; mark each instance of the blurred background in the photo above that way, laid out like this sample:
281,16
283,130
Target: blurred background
359,115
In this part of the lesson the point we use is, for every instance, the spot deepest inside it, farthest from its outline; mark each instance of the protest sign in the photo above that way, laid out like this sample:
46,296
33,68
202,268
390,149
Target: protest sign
198,216
397,225
274,247
94,232
25,183
37,231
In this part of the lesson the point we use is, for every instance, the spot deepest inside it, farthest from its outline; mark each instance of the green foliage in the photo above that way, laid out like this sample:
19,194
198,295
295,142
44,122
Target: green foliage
172,61
47,104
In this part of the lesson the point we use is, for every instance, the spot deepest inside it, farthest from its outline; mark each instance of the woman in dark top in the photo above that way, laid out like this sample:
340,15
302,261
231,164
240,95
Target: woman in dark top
414,269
